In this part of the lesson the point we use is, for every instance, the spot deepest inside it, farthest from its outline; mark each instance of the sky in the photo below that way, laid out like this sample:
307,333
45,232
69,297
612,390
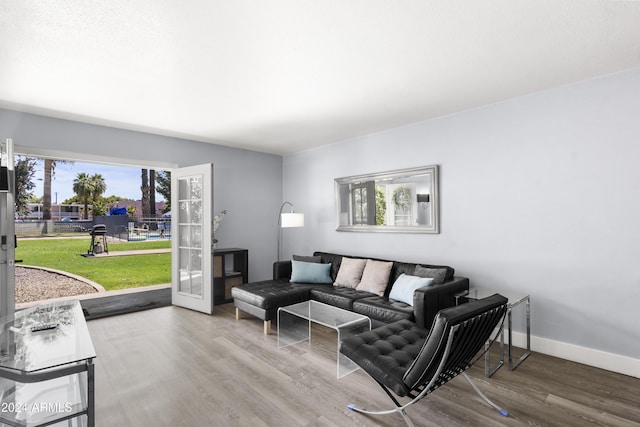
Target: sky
121,181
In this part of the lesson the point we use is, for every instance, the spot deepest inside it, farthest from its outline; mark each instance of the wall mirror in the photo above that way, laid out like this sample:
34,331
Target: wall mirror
400,201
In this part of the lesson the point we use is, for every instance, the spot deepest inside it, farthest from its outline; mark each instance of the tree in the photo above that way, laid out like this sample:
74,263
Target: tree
152,192
145,193
49,172
25,170
99,208
49,166
99,187
148,188
83,187
163,185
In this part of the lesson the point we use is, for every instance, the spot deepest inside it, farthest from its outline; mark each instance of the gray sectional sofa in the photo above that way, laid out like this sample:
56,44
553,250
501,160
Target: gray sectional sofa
262,299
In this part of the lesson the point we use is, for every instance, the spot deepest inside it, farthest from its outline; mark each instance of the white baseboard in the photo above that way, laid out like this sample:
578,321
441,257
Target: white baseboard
587,356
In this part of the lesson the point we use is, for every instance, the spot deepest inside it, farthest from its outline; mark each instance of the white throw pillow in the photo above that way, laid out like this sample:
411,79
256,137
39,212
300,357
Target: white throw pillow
350,272
375,277
404,286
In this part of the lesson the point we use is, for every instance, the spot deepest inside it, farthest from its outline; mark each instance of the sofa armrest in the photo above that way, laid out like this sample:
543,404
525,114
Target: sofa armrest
282,270
429,300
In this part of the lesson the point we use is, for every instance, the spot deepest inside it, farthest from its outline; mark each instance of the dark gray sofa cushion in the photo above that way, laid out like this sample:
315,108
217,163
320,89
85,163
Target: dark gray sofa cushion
269,295
338,296
304,258
383,309
437,274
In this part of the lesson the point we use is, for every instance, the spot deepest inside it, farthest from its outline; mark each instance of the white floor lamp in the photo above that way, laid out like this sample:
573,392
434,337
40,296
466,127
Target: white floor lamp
288,220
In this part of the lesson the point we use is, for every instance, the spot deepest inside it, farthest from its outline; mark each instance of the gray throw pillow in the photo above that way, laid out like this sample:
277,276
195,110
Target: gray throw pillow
437,274
316,259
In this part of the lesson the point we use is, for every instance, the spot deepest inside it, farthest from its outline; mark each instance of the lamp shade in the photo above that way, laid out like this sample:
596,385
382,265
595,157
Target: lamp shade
288,220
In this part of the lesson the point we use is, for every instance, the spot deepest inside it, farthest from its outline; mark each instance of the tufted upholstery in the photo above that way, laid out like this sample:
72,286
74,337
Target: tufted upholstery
382,309
271,295
388,351
262,299
339,296
405,357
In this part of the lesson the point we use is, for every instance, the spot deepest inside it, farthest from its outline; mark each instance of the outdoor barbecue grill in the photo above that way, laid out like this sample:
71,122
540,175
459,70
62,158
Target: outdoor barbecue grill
98,240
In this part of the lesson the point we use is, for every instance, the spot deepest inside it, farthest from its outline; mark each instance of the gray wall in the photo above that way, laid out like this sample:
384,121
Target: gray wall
539,194
247,184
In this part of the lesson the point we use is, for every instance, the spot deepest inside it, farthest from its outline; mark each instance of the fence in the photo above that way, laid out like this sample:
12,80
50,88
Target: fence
120,227
46,227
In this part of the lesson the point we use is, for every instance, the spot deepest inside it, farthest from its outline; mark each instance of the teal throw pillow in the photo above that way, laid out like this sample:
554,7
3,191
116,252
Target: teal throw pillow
310,272
404,286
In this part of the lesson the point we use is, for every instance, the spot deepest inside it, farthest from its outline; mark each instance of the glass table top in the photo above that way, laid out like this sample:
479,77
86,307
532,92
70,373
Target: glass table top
45,336
479,293
324,314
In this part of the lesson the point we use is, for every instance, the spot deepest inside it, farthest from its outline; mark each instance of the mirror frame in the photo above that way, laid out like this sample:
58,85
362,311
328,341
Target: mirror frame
434,201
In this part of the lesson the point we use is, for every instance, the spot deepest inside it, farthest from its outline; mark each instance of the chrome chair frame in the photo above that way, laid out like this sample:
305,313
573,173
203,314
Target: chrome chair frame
456,357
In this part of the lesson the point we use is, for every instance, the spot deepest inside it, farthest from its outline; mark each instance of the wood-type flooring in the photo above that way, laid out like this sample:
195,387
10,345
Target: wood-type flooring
171,366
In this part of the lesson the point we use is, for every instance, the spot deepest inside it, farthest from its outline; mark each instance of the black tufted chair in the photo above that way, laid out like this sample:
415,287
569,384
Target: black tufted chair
412,362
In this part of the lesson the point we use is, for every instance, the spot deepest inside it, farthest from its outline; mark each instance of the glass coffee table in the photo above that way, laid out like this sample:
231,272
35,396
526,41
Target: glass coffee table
46,367
294,326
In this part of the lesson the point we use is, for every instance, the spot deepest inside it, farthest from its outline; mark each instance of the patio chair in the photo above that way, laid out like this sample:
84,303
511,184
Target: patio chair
412,362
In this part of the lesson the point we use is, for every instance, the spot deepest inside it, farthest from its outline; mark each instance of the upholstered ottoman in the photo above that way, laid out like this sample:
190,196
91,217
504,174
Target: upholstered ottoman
262,299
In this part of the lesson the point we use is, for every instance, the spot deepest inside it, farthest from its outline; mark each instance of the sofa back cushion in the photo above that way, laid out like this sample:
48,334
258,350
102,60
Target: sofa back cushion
375,277
397,269
350,272
310,272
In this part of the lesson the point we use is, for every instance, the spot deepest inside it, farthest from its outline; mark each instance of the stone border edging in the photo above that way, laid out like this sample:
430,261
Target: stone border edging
97,287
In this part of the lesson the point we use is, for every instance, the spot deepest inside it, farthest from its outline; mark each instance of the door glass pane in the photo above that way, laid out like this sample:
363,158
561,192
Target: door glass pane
184,236
183,213
195,211
185,282
195,239
196,261
196,285
184,258
190,241
196,187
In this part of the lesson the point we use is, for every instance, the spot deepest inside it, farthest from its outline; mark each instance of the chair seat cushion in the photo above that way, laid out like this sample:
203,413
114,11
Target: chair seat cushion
338,296
387,352
271,294
383,309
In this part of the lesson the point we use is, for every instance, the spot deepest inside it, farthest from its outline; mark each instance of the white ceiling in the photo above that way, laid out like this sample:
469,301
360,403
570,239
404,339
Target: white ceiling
281,76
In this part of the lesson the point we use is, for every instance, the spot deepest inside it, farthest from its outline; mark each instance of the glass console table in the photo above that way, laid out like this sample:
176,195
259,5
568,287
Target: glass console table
294,326
514,301
46,367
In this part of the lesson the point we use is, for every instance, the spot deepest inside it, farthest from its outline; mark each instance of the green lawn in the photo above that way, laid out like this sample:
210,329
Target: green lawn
112,273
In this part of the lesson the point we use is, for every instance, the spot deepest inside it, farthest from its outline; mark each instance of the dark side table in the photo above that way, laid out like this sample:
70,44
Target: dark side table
46,367
515,300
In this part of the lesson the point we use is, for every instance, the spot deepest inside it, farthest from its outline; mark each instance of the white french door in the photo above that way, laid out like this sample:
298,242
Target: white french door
191,229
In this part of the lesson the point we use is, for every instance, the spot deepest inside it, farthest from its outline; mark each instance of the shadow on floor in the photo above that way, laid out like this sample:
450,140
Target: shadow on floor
95,308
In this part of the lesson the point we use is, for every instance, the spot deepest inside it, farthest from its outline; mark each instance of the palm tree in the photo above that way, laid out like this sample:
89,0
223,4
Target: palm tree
49,166
145,193
152,193
83,186
99,186
49,171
